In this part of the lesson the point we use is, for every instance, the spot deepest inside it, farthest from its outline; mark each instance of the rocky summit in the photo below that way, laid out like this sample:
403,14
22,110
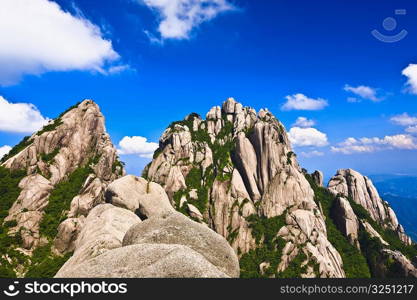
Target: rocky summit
224,196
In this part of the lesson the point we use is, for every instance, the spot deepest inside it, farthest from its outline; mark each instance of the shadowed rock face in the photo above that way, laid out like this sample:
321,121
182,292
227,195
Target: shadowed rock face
241,163
351,184
77,138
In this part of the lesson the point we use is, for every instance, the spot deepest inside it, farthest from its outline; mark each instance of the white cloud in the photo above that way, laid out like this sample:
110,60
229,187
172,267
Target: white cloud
179,17
37,36
411,129
302,137
302,102
404,120
313,153
304,122
20,117
362,91
411,73
367,145
137,145
4,150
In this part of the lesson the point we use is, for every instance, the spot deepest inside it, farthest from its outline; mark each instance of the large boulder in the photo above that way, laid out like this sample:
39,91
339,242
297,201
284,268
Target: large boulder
177,229
104,229
346,220
136,194
146,261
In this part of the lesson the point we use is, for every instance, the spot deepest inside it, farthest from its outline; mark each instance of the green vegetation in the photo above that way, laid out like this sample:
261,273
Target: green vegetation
69,109
354,263
60,200
50,127
9,192
16,149
44,264
289,157
50,156
388,235
269,248
118,163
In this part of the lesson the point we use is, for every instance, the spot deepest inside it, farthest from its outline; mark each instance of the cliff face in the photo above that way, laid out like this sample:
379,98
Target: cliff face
235,171
351,184
371,225
65,169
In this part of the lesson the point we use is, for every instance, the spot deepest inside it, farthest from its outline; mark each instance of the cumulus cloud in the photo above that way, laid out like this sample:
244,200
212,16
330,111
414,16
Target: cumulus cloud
137,145
302,102
313,153
362,91
302,137
404,120
367,145
37,36
179,17
4,150
411,73
304,122
411,129
20,117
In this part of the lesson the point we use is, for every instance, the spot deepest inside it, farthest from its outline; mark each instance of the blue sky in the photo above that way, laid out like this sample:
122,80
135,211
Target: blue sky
150,62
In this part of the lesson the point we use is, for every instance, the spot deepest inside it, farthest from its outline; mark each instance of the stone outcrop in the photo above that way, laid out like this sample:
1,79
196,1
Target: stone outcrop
104,229
146,261
74,140
404,267
346,220
175,228
241,163
317,177
115,242
360,189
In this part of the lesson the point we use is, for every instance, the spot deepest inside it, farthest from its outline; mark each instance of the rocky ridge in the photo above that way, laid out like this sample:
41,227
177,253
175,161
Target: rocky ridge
235,170
371,225
67,166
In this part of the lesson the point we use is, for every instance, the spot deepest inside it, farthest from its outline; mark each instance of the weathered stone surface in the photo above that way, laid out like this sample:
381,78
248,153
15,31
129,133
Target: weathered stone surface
361,190
346,220
404,264
176,228
373,233
261,176
146,261
68,232
78,138
317,177
139,195
103,230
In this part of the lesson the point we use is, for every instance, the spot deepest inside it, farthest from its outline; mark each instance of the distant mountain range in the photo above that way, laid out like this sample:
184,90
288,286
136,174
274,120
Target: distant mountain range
401,192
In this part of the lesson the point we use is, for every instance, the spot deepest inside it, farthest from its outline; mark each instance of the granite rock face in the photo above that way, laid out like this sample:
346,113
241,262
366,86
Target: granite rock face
116,242
146,261
361,190
76,139
346,220
176,228
241,163
104,230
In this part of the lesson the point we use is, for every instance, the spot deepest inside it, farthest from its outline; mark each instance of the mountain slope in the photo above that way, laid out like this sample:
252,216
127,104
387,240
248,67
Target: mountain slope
236,172
371,225
53,178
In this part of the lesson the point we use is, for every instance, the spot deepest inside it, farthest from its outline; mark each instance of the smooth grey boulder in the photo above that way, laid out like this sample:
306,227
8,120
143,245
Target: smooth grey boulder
176,228
137,194
147,261
104,229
